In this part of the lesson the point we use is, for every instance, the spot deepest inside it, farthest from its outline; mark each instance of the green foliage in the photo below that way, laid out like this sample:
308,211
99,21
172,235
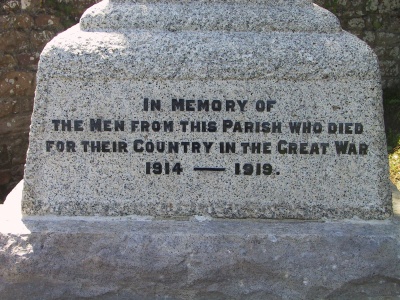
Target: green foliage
393,140
372,5
376,24
392,120
66,11
394,101
332,5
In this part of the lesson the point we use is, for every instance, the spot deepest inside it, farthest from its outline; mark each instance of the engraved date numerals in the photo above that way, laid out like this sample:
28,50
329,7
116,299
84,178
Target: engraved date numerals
166,168
254,169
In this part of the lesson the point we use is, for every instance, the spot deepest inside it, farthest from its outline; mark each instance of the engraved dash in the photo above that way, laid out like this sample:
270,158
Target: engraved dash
209,169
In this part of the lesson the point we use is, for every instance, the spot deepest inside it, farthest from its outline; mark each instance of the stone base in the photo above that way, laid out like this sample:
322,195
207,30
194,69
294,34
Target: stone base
146,258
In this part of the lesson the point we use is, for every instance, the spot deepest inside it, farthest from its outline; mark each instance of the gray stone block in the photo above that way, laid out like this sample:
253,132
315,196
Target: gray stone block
290,54
47,257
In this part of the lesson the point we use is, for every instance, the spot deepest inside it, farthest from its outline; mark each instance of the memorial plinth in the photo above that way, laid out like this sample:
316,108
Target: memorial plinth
169,136
102,258
232,109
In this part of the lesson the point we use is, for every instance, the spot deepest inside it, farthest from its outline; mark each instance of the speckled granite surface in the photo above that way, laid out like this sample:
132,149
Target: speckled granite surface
259,109
59,257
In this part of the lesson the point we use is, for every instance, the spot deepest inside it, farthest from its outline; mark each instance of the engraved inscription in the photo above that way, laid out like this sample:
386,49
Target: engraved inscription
136,142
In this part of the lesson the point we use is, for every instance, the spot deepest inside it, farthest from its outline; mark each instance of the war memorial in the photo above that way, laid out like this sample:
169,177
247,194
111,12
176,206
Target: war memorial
204,150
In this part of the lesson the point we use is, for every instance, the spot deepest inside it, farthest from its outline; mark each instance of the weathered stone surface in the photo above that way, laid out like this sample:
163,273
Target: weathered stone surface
5,157
46,21
7,22
15,124
5,177
29,60
379,17
15,83
13,40
12,159
24,21
243,16
39,39
70,11
197,258
7,106
120,55
17,53
7,61
10,6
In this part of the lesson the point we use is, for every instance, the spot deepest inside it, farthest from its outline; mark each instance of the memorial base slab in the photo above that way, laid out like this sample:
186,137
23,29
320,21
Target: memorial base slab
46,257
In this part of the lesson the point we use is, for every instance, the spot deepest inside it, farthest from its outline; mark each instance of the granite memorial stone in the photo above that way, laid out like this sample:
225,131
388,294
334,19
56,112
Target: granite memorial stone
158,122
233,109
